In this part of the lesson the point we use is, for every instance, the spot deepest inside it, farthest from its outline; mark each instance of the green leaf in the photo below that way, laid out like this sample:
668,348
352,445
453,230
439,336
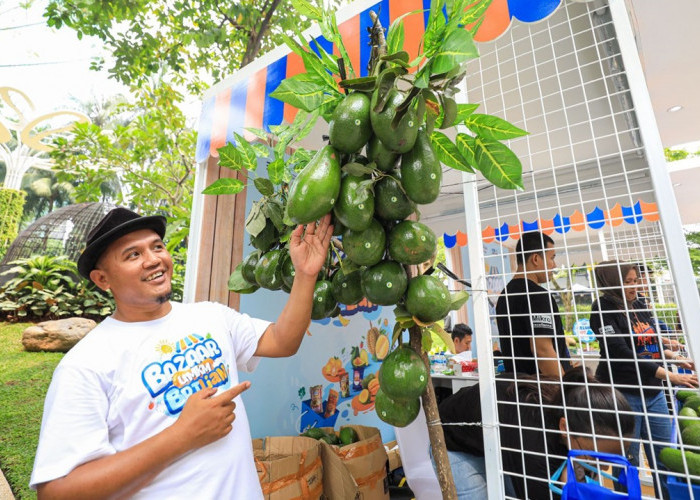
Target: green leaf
426,340
229,157
238,284
385,83
448,153
258,132
304,8
466,145
225,186
463,111
315,69
299,92
396,334
256,221
364,84
275,171
358,169
247,154
264,185
449,112
475,12
261,150
492,127
396,36
457,48
273,210
458,300
498,164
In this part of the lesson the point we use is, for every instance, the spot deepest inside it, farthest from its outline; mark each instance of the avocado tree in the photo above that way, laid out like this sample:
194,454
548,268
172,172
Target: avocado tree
384,158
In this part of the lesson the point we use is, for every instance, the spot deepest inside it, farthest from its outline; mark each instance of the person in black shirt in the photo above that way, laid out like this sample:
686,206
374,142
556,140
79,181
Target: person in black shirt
631,356
533,422
530,329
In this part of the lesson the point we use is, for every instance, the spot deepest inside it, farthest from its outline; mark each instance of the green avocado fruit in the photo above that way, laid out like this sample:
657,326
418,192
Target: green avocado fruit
427,298
673,459
403,374
385,283
412,242
314,191
347,288
350,126
355,205
323,302
365,248
398,413
401,138
383,157
390,201
421,171
347,436
268,270
248,267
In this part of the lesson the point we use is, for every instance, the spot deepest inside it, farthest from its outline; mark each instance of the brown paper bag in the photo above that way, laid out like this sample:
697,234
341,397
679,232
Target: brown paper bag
289,467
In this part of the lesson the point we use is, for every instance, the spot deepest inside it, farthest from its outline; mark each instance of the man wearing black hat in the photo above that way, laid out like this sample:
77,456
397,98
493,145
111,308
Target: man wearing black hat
144,405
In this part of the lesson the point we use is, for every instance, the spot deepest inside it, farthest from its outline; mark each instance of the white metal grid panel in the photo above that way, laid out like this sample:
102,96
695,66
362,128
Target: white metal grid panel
563,80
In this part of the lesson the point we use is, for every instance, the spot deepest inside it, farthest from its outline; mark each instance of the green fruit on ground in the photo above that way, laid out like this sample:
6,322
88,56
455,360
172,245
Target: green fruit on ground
355,205
428,299
347,288
324,302
684,394
365,248
248,267
385,283
693,402
266,238
687,417
288,271
403,374
314,191
383,157
421,171
691,435
315,433
347,436
401,138
268,270
673,459
412,242
350,126
390,201
398,413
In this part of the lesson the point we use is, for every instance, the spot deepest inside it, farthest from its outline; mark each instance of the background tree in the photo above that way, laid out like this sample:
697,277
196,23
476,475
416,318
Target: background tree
192,43
693,241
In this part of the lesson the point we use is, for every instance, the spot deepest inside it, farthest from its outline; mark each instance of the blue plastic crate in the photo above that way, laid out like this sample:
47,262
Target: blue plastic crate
678,489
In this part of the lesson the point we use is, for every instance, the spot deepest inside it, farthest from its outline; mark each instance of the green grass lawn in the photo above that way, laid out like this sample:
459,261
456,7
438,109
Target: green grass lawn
24,379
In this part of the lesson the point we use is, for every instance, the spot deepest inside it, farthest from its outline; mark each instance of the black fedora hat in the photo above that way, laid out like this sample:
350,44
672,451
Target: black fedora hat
118,222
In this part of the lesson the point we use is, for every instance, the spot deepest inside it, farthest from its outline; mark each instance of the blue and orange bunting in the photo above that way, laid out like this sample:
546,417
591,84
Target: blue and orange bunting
595,219
246,101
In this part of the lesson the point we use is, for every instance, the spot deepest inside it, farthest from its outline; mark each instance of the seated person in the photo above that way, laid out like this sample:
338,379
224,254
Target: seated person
528,430
462,338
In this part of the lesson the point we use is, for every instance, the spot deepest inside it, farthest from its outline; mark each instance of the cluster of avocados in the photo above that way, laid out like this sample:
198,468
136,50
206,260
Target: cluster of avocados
689,423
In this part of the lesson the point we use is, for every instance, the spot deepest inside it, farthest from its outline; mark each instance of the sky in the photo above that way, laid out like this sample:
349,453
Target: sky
48,65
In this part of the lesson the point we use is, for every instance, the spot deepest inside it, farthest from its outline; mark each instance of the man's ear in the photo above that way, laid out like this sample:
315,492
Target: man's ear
562,425
99,277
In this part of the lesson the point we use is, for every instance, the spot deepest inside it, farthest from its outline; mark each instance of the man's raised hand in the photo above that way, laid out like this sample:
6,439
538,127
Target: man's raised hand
308,246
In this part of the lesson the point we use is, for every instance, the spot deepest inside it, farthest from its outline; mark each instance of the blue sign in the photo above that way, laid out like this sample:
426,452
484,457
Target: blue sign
582,330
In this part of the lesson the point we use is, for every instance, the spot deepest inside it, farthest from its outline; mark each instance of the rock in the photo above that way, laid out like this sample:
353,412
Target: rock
56,336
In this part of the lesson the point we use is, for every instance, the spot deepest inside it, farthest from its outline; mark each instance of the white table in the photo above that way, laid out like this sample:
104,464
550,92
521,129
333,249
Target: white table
455,382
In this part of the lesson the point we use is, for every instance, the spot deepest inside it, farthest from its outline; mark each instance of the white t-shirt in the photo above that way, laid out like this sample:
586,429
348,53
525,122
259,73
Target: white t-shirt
125,382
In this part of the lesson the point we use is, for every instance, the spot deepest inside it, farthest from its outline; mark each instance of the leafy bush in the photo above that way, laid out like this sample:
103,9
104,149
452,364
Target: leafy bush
11,203
46,287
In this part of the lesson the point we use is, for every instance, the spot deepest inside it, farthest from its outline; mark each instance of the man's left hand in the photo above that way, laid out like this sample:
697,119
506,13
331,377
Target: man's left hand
308,246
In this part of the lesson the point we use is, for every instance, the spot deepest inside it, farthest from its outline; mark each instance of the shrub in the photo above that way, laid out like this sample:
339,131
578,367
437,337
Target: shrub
46,287
11,204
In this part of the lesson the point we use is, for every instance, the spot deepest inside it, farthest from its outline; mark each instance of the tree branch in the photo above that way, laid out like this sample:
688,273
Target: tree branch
255,39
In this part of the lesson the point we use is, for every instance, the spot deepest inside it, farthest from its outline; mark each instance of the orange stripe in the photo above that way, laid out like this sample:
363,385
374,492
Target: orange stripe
255,102
650,211
220,124
350,32
488,234
516,230
461,238
577,221
295,66
496,21
614,217
413,24
547,226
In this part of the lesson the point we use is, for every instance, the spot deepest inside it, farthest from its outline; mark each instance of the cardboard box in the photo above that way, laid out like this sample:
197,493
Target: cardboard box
358,470
392,451
289,467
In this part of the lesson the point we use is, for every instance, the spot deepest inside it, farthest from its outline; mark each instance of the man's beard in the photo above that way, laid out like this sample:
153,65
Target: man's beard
162,299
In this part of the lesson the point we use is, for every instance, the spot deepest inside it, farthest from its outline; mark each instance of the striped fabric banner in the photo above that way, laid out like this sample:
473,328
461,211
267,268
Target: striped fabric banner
247,102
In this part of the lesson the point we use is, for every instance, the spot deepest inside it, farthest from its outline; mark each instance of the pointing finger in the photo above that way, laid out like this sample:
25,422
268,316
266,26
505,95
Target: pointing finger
234,391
